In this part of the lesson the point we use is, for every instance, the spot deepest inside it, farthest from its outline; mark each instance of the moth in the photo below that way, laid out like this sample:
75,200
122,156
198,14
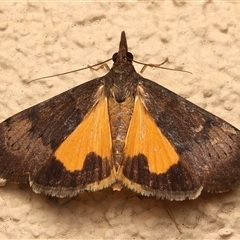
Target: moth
120,130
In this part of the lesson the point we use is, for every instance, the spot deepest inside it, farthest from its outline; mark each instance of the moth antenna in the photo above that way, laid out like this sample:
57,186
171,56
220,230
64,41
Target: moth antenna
104,65
73,71
158,66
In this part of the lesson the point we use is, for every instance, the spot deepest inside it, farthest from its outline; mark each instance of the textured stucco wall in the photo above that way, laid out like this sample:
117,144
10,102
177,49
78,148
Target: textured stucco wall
39,39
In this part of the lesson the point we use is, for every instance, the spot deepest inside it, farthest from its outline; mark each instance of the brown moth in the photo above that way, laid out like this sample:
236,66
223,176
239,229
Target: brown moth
120,129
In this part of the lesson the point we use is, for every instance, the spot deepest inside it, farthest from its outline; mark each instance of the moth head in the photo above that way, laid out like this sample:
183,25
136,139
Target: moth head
122,56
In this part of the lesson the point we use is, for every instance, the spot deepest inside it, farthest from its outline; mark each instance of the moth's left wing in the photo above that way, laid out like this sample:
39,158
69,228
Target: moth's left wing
61,146
174,149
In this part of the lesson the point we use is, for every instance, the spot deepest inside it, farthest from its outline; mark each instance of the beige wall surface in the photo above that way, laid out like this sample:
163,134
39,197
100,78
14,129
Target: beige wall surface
44,38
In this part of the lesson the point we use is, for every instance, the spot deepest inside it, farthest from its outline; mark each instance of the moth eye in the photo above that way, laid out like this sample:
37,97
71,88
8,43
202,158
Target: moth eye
114,57
129,56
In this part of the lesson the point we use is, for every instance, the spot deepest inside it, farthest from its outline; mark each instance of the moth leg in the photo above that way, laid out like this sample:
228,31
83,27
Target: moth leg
172,217
104,65
152,65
